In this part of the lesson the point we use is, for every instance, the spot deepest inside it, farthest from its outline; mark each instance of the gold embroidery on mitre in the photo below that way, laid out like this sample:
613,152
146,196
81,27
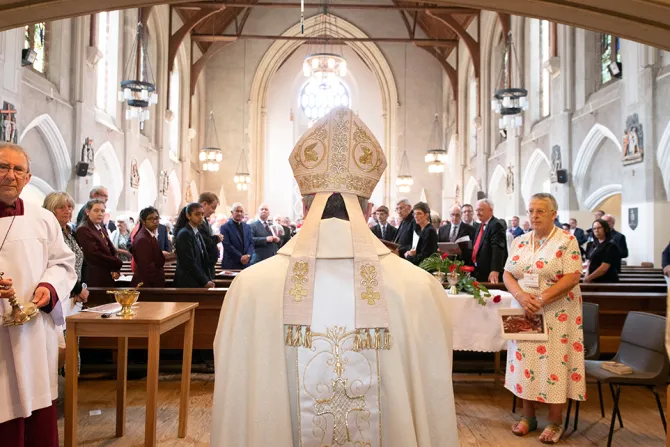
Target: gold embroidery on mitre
300,270
369,281
339,405
311,150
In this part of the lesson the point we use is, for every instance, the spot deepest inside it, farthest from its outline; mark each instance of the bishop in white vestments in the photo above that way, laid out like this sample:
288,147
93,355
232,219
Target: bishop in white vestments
335,341
38,267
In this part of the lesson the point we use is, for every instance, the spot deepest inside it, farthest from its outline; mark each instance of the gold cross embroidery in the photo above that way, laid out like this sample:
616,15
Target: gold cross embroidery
300,270
369,281
340,404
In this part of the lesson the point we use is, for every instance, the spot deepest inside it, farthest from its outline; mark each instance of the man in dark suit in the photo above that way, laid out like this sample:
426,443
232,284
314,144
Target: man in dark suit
284,223
384,230
578,233
489,252
266,241
468,216
455,230
618,239
238,243
163,239
515,230
209,202
98,192
407,228
109,223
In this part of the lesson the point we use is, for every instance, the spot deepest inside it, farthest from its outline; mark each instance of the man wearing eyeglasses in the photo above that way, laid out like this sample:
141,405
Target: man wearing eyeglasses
456,229
37,267
489,252
405,235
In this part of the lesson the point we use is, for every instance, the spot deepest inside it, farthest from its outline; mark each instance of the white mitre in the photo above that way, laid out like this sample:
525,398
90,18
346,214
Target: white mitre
339,154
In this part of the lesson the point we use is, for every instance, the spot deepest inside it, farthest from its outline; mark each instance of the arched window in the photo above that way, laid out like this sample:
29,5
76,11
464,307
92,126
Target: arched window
36,40
472,114
610,57
317,99
540,52
107,41
175,104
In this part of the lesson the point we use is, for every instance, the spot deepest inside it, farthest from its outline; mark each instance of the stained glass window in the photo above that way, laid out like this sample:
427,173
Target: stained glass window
35,39
107,68
317,99
610,51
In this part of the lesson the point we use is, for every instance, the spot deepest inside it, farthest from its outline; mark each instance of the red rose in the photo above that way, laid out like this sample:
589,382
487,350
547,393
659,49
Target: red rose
578,320
564,341
518,355
539,264
519,388
497,298
541,349
467,268
575,257
578,346
554,378
563,317
565,357
559,254
475,284
515,258
540,399
576,377
511,368
452,268
445,256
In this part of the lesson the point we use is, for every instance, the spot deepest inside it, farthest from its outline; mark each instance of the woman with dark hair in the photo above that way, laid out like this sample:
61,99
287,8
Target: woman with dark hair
148,257
104,265
604,255
427,244
192,262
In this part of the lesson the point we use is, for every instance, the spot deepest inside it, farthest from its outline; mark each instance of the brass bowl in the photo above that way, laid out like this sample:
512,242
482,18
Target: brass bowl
126,298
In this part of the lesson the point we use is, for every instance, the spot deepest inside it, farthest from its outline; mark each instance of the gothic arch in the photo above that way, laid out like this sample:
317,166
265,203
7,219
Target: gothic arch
36,190
58,151
470,192
497,192
537,159
148,190
108,173
279,52
600,194
663,159
587,151
173,194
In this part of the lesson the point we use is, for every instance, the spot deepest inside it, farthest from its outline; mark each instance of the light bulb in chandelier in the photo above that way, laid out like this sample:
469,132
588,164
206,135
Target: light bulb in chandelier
435,168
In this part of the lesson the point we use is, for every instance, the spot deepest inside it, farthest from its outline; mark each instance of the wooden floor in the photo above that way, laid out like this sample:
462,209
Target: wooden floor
483,410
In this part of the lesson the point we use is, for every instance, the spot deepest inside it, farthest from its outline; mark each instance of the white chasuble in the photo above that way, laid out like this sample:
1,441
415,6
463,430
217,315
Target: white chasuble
34,252
338,388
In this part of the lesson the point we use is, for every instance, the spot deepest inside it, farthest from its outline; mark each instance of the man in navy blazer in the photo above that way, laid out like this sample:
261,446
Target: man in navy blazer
266,241
238,242
515,229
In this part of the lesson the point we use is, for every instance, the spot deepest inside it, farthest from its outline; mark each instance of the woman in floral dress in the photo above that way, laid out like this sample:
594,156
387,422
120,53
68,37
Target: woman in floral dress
543,272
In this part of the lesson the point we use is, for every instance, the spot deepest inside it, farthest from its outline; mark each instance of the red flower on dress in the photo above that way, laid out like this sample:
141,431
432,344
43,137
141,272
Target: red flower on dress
578,346
516,258
511,367
559,275
518,355
497,298
585,395
563,317
541,349
519,388
554,378
576,377
565,357
540,399
578,320
452,268
520,245
564,341
445,256
575,257
539,264
527,374
571,295
559,254
572,238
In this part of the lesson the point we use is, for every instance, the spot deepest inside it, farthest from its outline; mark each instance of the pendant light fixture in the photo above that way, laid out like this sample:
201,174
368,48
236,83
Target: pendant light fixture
323,63
211,155
404,180
138,88
242,178
436,156
509,102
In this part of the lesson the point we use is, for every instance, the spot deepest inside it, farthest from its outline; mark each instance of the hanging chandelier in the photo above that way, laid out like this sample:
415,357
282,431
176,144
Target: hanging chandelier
404,180
138,88
242,178
211,155
436,157
322,62
509,102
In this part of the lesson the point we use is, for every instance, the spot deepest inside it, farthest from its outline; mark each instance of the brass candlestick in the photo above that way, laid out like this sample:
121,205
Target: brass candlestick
21,313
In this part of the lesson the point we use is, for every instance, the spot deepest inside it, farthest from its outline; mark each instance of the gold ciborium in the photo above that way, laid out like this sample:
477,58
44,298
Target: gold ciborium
452,278
21,312
126,298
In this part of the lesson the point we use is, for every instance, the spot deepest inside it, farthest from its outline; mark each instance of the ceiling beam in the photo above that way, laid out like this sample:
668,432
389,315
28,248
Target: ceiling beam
471,44
363,6
199,65
450,71
178,37
449,43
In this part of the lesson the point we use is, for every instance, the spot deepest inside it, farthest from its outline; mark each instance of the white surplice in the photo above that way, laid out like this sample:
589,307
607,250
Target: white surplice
267,393
34,252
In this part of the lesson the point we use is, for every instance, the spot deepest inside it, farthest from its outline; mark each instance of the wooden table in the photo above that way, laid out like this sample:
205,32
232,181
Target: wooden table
152,320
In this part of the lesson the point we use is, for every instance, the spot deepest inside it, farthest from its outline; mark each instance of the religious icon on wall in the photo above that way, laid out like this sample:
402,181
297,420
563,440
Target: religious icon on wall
510,180
556,163
633,141
189,194
632,218
166,183
161,177
134,174
457,195
8,130
87,155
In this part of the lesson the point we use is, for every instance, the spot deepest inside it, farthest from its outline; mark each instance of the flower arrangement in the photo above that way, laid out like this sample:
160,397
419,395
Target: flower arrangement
441,265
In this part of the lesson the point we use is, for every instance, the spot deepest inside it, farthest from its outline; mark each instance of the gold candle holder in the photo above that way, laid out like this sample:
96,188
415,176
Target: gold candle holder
126,298
453,278
20,313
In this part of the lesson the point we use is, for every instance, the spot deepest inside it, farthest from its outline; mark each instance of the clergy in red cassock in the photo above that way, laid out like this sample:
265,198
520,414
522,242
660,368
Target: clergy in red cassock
38,267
